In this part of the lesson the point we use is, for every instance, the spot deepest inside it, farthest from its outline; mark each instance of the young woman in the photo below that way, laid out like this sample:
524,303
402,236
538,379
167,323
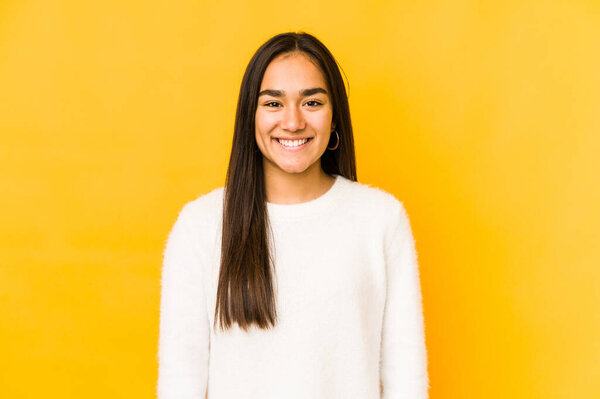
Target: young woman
293,280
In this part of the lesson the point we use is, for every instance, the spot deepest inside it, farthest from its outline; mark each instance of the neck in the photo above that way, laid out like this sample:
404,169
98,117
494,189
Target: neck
293,188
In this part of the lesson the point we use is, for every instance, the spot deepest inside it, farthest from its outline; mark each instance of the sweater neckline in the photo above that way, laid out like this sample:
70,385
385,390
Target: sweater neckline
307,208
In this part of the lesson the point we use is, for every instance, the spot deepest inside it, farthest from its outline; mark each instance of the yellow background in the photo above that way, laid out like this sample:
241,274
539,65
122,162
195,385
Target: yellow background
483,117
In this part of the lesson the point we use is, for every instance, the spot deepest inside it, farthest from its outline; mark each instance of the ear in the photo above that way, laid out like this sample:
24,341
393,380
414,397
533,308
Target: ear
332,126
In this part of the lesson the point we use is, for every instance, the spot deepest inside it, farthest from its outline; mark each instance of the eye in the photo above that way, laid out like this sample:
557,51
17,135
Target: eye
272,104
313,103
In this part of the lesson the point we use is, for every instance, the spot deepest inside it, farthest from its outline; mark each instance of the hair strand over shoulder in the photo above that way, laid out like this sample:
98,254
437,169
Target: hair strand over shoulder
246,285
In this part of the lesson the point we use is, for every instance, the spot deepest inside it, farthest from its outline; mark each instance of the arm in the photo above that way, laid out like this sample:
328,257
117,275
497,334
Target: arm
403,352
183,345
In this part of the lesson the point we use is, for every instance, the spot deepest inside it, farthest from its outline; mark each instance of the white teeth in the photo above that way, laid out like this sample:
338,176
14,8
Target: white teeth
292,143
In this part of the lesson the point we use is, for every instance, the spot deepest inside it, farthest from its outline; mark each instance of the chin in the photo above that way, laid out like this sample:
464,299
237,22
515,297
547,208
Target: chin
293,169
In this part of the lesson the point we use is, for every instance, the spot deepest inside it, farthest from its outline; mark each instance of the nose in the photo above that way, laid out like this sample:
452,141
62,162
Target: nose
293,119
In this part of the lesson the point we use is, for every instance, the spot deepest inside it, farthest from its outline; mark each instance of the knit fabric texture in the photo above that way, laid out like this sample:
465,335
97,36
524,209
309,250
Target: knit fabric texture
348,299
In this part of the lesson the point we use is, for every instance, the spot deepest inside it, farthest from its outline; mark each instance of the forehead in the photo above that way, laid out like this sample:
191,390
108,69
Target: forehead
292,71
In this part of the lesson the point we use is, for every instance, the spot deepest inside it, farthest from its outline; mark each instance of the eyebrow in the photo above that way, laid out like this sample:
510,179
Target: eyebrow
281,93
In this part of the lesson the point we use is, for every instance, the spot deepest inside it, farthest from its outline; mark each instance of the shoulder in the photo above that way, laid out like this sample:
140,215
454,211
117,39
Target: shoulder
372,206
209,202
203,211
372,200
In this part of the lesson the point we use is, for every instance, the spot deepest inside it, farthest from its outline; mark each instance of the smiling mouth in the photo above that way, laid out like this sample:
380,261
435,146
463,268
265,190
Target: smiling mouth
293,143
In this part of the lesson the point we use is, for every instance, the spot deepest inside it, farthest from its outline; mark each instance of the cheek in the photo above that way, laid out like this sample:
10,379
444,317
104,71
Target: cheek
265,121
321,121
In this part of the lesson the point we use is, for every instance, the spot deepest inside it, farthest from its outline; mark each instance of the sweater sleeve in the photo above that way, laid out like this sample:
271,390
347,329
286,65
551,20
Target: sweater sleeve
183,345
403,352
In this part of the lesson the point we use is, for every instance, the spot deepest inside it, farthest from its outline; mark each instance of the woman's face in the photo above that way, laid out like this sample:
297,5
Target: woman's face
293,115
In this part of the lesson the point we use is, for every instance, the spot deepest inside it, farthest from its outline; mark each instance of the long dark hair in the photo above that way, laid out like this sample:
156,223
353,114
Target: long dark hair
245,292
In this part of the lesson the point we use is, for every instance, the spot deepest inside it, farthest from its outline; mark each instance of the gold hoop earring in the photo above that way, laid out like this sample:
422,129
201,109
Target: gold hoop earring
337,144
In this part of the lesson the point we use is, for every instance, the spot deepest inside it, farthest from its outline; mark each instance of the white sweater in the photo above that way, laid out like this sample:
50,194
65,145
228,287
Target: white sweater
348,304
